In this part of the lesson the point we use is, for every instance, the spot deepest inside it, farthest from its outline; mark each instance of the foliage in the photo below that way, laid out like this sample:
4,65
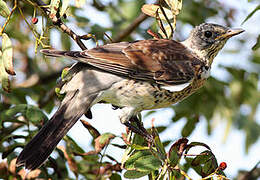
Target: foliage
26,29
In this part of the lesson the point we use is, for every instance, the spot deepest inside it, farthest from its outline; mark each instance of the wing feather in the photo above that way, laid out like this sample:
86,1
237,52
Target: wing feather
160,61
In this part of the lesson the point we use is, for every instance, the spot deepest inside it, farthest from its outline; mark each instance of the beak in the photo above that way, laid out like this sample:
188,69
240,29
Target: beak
231,32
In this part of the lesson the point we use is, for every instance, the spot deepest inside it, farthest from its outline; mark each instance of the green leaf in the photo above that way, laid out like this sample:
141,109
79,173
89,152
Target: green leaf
4,10
193,144
204,164
30,112
10,149
251,14
115,176
4,80
66,42
147,163
176,151
139,147
174,157
132,174
35,115
7,54
189,126
257,44
129,164
160,148
202,158
72,146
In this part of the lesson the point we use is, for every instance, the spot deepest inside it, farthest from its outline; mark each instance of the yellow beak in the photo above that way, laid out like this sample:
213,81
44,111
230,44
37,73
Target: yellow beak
230,33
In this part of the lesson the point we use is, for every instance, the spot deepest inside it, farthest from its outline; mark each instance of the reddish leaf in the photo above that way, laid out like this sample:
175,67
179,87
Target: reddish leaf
72,164
93,131
102,141
176,151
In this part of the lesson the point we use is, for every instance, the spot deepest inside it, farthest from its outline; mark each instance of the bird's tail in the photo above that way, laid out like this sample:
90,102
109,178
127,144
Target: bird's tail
80,91
42,145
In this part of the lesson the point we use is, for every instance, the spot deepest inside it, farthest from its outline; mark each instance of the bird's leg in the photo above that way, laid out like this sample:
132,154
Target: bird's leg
128,115
136,130
139,125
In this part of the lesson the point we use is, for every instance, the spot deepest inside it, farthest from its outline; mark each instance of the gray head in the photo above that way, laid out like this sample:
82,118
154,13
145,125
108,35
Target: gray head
207,39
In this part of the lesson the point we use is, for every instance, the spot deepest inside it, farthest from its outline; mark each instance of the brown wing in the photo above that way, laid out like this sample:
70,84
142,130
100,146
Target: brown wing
161,61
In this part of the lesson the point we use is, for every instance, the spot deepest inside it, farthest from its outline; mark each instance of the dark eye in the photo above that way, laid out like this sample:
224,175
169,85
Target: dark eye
208,34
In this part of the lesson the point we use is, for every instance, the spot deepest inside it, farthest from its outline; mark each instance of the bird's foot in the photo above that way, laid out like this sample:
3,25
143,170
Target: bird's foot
139,130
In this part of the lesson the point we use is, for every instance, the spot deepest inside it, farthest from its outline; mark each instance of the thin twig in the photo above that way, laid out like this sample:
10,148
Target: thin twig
58,22
8,18
130,28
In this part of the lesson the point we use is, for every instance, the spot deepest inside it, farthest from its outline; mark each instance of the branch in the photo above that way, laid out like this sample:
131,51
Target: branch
58,22
130,28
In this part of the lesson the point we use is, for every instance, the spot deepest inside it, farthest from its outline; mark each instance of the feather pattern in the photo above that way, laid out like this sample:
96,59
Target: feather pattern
165,62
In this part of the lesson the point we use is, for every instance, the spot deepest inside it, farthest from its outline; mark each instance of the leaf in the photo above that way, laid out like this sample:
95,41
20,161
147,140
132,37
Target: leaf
3,169
4,10
202,158
115,176
64,7
5,82
175,5
29,175
176,151
251,14
103,140
257,44
54,7
35,115
189,126
71,162
72,146
9,149
12,137
147,163
132,174
12,166
168,29
158,144
152,9
32,113
129,163
139,147
7,54
93,131
66,43
204,164
160,148
193,144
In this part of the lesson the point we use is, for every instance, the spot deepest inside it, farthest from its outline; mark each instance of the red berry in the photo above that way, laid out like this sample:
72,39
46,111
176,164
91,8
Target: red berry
222,166
34,20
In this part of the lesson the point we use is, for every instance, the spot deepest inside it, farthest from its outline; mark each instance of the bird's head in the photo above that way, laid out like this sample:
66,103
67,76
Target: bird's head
207,39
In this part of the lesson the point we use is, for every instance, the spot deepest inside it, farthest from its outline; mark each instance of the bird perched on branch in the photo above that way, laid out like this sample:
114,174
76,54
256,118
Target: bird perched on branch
134,76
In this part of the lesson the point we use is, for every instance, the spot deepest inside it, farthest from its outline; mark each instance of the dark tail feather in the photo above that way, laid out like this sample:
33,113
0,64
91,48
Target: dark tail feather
42,145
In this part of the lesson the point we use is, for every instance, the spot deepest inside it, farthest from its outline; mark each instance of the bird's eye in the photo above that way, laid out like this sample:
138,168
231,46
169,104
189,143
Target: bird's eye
208,34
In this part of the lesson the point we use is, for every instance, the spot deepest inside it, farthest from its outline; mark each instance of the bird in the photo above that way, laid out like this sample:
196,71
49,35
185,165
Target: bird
134,76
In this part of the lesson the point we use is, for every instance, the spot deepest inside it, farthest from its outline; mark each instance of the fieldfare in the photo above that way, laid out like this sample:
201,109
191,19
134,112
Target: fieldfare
134,76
